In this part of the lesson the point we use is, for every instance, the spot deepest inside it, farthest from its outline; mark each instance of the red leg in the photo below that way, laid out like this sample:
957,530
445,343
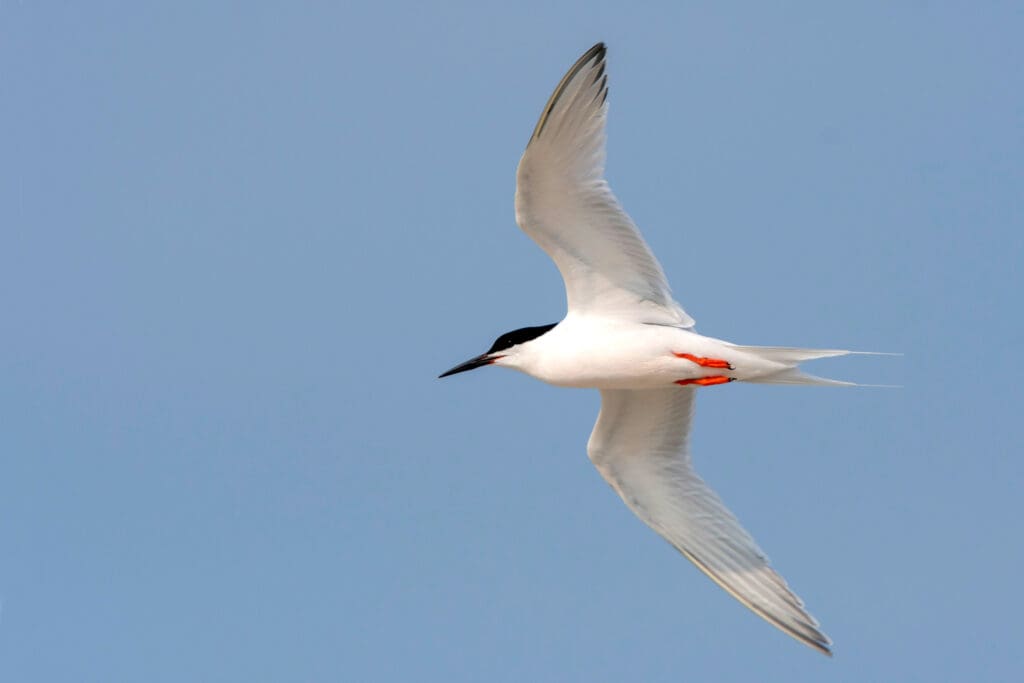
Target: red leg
705,362
706,381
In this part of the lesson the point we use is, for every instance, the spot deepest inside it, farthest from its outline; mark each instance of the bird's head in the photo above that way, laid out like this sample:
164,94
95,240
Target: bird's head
507,350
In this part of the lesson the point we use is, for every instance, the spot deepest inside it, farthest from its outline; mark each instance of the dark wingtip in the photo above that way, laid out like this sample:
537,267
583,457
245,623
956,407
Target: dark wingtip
598,52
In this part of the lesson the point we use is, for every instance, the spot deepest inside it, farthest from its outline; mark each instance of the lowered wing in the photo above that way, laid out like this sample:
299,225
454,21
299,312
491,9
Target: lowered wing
640,446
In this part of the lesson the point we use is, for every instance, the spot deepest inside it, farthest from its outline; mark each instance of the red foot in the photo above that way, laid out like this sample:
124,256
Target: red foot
706,381
705,362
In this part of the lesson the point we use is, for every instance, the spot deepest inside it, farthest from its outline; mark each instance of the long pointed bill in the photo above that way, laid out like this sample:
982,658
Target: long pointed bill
472,364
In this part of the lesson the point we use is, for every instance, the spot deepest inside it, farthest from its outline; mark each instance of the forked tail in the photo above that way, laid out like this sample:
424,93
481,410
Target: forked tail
790,357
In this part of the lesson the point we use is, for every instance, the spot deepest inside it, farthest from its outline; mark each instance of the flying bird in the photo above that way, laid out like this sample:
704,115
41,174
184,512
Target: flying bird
625,335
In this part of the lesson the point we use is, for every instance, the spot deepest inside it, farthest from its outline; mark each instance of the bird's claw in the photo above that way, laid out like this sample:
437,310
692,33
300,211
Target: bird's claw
706,381
705,362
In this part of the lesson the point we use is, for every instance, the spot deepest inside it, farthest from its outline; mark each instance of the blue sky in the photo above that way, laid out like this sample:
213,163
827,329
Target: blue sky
238,242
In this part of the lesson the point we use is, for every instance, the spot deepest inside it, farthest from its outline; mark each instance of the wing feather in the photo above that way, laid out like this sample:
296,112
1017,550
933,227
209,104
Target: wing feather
565,205
640,446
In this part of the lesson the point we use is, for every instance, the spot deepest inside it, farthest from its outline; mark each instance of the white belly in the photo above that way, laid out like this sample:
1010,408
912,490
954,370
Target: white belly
599,354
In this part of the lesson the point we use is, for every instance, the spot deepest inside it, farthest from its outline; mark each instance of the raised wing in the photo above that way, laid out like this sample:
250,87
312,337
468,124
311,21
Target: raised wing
640,446
565,205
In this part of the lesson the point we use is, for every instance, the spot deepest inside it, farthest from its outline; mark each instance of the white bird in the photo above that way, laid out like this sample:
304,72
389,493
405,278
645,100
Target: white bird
624,334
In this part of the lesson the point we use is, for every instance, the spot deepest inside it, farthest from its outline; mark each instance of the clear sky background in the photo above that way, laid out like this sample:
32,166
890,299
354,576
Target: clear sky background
239,241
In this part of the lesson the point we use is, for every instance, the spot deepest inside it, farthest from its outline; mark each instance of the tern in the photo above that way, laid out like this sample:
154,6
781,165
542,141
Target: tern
625,335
